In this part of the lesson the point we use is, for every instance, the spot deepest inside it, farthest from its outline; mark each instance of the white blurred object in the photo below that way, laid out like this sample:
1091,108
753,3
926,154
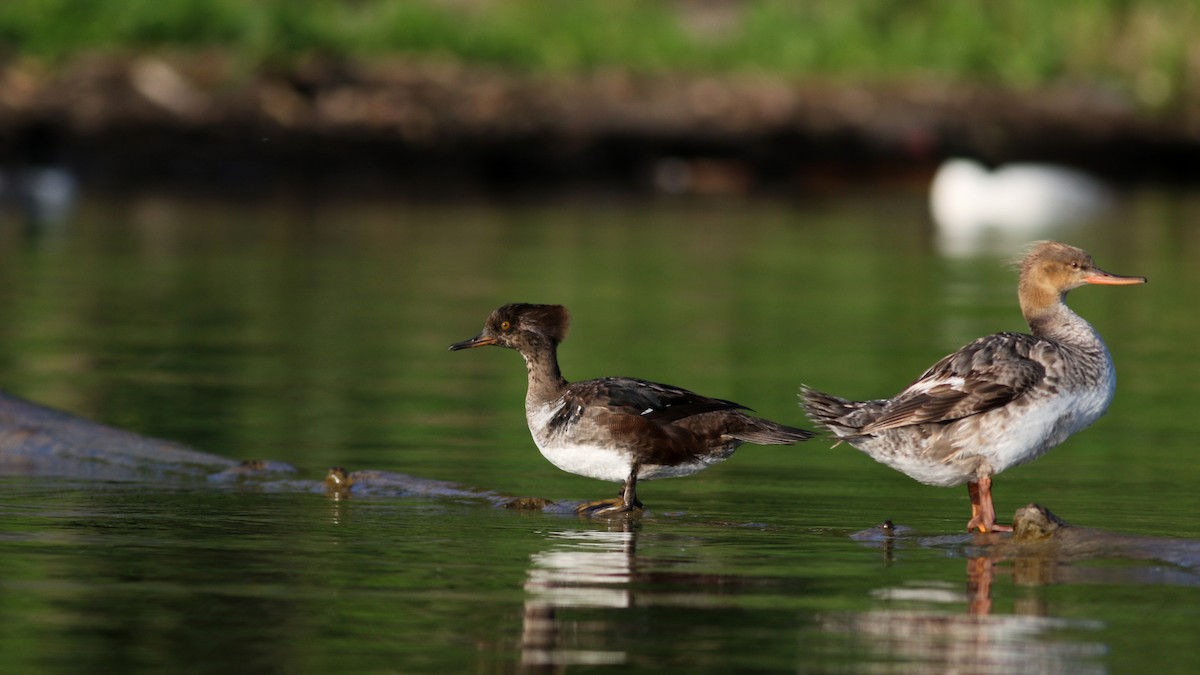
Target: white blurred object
981,211
45,195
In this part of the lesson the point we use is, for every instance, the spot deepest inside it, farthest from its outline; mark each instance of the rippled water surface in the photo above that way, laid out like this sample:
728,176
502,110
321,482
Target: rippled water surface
314,331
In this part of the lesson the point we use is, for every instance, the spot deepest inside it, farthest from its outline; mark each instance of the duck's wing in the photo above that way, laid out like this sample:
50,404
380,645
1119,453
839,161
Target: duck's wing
660,403
636,416
984,375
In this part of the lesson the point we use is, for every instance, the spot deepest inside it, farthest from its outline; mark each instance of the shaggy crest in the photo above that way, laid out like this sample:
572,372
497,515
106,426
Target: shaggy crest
549,320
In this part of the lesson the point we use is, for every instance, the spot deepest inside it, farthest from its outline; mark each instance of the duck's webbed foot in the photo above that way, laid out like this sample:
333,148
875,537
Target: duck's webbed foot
627,502
607,507
982,525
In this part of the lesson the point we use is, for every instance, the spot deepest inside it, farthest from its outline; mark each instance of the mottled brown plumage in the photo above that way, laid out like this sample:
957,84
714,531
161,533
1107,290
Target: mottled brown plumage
998,402
618,429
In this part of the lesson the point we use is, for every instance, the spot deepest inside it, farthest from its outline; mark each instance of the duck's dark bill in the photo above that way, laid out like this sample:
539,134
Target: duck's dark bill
477,341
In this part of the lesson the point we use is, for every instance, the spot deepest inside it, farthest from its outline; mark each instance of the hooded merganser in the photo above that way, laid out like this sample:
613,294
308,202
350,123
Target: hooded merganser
998,402
618,429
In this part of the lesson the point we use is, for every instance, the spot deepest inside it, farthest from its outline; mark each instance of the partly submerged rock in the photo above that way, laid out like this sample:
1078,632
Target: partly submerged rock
1037,532
40,441
1041,537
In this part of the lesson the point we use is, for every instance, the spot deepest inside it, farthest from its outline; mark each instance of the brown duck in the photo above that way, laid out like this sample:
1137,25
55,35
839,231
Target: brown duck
618,429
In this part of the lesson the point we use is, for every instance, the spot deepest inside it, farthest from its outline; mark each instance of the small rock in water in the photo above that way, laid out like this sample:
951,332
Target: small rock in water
1035,522
527,503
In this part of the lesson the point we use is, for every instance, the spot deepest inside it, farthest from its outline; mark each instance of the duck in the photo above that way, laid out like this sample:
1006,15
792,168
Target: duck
998,402
978,210
618,429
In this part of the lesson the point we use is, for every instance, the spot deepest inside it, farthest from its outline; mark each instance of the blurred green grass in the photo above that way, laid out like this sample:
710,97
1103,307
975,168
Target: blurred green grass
1144,48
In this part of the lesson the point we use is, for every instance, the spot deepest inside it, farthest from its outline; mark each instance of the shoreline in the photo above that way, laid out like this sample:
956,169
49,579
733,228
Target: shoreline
119,121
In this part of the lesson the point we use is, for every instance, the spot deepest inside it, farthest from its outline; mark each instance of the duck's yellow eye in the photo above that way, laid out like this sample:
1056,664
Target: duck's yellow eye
504,325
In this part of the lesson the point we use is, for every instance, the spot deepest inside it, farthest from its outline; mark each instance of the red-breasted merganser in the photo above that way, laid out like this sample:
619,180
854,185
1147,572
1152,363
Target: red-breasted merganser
998,402
618,429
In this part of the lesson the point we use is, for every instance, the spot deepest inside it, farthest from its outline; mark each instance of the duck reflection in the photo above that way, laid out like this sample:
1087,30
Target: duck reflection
915,633
914,626
581,568
608,596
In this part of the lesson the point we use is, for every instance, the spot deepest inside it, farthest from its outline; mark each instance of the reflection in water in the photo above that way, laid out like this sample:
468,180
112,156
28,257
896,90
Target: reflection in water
587,594
590,597
925,640
915,632
1045,550
589,568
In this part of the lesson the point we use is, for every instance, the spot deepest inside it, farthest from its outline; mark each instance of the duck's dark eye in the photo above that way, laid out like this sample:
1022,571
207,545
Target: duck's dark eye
505,325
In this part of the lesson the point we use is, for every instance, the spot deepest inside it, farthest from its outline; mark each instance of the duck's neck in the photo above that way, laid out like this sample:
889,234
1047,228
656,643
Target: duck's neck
546,382
1049,317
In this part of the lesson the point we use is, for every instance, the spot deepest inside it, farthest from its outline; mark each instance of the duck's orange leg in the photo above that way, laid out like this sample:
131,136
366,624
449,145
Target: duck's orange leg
983,512
973,493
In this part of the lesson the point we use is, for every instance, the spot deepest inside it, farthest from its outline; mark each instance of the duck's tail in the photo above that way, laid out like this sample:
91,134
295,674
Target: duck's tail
843,418
765,432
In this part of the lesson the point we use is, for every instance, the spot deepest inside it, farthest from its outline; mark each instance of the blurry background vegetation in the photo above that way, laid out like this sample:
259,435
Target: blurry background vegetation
1144,50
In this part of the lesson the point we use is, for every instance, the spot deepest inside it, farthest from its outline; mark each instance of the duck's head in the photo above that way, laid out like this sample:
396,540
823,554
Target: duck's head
521,326
1050,269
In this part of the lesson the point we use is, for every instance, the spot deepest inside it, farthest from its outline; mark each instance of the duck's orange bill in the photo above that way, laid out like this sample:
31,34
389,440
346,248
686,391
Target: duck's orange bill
1107,279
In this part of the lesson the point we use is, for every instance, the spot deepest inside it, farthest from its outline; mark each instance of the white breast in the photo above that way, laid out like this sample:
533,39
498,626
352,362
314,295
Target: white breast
593,461
602,462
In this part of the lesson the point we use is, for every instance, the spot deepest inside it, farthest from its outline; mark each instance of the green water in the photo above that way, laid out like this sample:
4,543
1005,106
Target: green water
314,331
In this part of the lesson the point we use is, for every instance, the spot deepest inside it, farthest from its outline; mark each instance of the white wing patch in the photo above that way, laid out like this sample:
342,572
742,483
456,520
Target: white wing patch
954,382
538,417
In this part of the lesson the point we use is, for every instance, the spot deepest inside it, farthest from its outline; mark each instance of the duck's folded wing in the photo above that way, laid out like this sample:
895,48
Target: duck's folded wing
984,375
631,416
656,402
